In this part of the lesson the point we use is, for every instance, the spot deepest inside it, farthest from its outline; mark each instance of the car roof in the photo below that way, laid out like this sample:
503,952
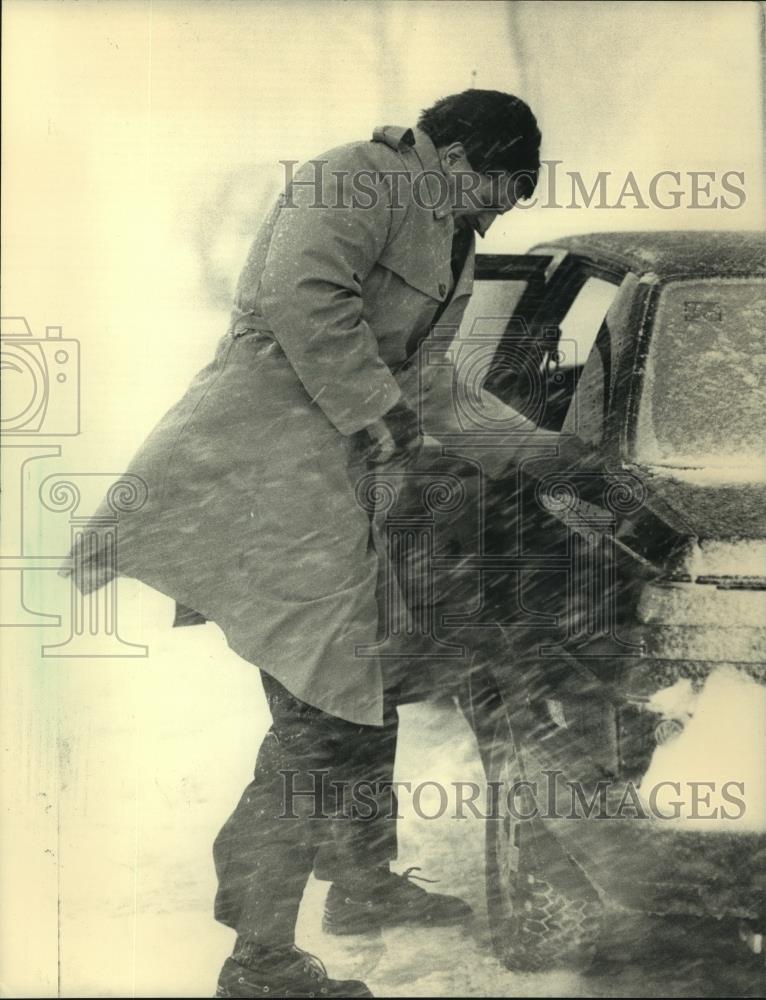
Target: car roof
673,254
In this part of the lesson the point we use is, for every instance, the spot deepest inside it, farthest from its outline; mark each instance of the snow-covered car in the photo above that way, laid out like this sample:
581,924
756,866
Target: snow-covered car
608,592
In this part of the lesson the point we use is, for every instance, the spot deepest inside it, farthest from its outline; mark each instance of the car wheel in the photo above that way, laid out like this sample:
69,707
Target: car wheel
542,911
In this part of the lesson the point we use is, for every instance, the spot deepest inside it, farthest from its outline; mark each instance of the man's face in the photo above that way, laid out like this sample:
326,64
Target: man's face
478,198
492,197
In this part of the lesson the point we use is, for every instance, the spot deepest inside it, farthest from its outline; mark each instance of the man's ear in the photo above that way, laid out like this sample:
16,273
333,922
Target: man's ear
453,155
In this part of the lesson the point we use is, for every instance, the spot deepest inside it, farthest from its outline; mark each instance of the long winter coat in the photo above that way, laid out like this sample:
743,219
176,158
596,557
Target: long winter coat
252,518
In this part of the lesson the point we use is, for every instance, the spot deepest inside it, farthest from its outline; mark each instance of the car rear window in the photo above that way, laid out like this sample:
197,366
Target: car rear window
704,396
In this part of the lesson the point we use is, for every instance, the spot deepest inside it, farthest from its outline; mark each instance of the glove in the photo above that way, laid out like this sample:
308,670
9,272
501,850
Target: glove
396,436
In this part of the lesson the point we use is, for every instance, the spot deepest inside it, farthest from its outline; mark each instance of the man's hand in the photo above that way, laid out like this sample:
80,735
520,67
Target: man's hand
395,437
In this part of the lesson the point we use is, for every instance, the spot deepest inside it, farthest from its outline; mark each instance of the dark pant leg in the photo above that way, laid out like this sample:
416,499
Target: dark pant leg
363,837
291,816
262,861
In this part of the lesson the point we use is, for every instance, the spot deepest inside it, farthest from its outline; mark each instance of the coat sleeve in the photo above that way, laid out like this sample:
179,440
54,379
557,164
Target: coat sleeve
320,252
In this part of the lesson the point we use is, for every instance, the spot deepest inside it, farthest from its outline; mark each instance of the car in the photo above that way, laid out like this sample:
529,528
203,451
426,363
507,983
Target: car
579,605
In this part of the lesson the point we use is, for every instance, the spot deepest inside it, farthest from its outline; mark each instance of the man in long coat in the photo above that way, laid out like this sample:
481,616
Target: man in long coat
253,519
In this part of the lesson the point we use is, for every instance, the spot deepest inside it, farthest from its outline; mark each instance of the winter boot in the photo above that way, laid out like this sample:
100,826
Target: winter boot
286,972
391,899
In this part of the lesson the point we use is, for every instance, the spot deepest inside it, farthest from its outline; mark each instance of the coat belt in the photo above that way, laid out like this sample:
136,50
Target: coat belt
249,323
252,323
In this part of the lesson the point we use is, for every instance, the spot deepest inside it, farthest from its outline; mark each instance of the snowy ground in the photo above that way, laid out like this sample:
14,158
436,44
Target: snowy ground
153,754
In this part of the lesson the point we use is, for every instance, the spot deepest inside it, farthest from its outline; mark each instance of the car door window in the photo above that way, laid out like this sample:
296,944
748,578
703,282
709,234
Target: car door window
565,361
580,326
586,414
485,320
542,350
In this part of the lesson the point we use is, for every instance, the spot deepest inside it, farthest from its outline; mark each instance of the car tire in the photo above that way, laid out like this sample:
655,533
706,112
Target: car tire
542,911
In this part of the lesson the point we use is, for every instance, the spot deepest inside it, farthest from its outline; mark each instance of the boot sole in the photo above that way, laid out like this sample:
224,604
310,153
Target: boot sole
348,930
351,929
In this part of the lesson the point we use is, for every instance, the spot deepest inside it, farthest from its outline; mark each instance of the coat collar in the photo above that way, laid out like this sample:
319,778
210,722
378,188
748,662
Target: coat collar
429,159
400,139
408,141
